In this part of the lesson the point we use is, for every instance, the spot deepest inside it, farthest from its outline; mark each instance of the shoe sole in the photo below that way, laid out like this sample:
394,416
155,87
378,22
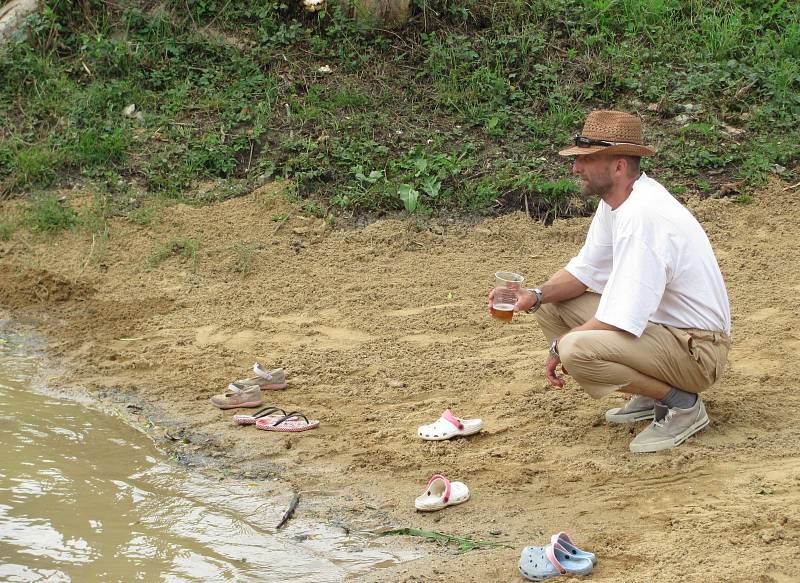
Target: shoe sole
670,443
240,405
630,417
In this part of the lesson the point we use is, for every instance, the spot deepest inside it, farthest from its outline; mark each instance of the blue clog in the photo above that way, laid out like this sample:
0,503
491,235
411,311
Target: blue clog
539,563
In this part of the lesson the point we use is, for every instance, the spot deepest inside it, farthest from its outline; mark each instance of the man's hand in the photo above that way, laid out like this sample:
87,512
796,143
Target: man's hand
550,371
525,301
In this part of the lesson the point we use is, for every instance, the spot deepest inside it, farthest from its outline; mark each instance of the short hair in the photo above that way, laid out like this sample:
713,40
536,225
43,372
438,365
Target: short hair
634,164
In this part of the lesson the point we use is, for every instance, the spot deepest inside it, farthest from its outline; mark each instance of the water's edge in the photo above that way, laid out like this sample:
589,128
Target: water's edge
186,452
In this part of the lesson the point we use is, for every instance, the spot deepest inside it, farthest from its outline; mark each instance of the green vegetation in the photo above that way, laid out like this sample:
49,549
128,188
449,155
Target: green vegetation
465,107
245,254
464,543
144,215
185,249
6,230
48,214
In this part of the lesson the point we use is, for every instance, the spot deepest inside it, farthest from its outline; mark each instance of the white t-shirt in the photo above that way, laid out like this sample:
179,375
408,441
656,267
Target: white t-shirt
651,260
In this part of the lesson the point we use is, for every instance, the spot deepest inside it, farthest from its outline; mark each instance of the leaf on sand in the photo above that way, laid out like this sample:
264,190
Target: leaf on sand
464,543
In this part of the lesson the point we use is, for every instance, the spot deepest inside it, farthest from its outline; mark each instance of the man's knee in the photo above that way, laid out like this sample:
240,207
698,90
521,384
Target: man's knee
582,361
575,349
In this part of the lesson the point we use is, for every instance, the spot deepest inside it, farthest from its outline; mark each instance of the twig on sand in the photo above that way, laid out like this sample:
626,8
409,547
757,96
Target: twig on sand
792,187
527,210
289,511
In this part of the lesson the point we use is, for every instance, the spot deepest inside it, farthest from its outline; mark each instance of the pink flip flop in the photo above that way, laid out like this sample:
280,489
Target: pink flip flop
267,414
289,422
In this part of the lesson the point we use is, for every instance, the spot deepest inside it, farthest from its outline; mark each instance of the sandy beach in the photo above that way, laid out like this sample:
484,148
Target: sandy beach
382,327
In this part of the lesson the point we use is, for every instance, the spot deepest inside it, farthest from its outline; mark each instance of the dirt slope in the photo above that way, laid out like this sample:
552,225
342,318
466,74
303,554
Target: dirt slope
382,328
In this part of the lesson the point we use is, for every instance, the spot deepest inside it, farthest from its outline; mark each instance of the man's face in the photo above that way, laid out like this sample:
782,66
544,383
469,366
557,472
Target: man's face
594,171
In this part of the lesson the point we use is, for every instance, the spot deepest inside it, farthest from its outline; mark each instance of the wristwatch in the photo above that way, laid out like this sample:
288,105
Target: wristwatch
554,348
538,293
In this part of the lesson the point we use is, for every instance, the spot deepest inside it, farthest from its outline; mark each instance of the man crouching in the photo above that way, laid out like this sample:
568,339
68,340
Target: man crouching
642,308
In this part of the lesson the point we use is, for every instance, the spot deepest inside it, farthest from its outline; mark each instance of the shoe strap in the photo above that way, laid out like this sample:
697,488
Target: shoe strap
261,372
448,416
267,411
550,551
446,486
563,540
292,415
561,536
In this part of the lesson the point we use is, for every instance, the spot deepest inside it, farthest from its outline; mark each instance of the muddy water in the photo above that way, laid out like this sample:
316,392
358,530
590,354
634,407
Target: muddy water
84,497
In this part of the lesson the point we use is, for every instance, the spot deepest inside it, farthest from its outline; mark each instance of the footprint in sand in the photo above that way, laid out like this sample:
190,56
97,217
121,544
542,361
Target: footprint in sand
405,312
748,361
239,340
305,331
428,339
299,318
328,337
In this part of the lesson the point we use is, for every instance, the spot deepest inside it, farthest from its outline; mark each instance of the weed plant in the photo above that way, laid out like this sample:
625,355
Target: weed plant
49,214
183,248
6,231
245,255
464,107
464,543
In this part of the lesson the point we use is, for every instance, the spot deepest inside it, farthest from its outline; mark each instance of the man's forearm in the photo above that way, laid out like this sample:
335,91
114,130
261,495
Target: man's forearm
561,286
595,324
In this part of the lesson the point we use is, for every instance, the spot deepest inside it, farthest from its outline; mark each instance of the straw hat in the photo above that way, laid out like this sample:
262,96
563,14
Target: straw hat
611,132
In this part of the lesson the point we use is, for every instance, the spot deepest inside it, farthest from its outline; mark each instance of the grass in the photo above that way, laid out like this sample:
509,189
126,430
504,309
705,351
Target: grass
6,231
49,214
465,107
144,215
245,255
464,543
181,247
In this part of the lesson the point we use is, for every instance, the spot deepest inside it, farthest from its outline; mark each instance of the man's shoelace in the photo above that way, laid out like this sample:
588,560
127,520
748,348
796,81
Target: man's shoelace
665,420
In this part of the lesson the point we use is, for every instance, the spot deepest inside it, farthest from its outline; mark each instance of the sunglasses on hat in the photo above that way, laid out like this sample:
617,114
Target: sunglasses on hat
584,142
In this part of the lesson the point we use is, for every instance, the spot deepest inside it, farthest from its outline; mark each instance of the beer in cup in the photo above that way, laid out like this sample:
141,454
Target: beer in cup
506,287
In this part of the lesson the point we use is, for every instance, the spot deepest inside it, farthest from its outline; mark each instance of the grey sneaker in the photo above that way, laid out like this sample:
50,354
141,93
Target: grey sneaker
239,395
670,427
637,408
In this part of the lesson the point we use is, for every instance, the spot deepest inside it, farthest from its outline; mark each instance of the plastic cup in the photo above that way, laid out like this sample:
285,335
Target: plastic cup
506,288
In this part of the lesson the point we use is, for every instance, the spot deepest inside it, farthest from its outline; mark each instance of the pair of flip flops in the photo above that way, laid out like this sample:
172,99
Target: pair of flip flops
276,419
560,557
448,426
441,493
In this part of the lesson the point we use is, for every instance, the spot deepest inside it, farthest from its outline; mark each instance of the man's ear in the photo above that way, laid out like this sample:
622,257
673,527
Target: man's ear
621,166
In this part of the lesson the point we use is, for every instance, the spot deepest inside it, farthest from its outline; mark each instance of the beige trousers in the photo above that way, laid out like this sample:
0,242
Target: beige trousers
603,361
